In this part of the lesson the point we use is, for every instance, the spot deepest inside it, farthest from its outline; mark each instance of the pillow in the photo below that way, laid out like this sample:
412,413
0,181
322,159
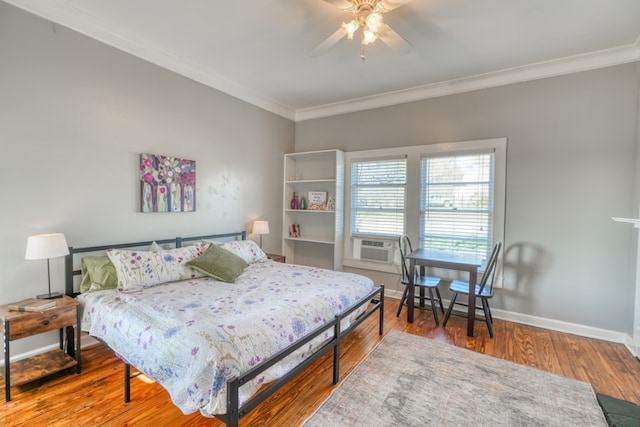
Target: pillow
248,250
219,263
143,269
98,273
155,247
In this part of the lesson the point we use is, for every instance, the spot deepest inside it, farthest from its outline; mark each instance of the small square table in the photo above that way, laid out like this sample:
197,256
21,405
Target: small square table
460,262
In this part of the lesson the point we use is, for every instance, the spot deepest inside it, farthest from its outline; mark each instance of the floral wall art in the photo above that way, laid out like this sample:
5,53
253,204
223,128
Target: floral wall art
167,184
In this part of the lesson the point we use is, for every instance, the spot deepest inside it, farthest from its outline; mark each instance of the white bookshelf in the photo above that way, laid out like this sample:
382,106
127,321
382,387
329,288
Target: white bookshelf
321,231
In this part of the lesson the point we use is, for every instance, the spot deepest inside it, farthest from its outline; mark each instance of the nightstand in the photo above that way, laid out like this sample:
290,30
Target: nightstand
22,324
276,258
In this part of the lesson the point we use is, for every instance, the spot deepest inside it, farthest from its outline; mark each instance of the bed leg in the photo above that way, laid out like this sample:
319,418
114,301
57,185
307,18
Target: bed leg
380,327
127,383
336,350
233,392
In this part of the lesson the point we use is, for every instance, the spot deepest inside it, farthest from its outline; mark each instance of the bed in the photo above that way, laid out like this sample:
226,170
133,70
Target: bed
218,343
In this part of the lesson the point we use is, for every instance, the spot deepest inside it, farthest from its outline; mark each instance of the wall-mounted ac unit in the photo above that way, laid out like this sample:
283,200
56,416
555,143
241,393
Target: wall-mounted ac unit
374,250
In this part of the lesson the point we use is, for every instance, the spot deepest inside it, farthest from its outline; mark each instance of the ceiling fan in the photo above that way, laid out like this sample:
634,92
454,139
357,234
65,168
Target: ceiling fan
367,22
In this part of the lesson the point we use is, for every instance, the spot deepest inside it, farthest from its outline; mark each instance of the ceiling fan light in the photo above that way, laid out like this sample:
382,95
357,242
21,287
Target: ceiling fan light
350,28
374,21
368,36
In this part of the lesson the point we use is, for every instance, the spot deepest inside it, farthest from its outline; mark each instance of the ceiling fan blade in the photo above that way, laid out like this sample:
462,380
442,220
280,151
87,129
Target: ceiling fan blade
392,4
330,41
340,4
394,40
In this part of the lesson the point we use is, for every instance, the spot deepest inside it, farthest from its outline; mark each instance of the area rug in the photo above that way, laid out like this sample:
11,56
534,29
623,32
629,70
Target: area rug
413,381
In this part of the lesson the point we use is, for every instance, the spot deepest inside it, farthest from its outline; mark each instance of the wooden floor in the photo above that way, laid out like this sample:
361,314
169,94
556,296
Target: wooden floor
94,398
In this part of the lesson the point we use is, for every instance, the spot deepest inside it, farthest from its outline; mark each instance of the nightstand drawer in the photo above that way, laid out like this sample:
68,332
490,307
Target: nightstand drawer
42,321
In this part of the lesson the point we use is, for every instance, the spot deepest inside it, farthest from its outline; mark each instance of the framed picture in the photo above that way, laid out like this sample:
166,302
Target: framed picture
168,184
317,201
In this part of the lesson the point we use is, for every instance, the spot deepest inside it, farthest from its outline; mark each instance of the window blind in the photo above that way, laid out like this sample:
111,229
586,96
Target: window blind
378,193
456,203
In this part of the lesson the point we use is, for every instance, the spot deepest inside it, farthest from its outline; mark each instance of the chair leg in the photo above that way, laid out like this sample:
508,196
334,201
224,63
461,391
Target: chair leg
489,310
422,296
448,313
440,300
433,307
487,316
402,300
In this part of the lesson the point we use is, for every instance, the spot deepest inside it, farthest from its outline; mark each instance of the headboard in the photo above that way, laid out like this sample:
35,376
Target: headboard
175,242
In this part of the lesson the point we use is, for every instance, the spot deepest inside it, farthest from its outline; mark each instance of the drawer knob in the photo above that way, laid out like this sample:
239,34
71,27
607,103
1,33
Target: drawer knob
45,322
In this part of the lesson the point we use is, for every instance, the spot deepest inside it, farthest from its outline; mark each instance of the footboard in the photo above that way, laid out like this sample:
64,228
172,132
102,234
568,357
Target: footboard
235,411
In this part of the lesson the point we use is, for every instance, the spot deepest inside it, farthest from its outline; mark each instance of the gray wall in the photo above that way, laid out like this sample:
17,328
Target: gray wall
570,168
74,116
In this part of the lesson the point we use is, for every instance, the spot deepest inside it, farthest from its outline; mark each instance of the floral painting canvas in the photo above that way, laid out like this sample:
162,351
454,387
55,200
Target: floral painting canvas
168,184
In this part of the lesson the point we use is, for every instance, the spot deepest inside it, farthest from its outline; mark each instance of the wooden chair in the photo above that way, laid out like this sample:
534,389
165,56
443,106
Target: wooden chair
484,290
421,282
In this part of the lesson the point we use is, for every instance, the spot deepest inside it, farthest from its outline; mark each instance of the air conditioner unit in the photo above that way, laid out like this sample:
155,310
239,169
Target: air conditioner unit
374,250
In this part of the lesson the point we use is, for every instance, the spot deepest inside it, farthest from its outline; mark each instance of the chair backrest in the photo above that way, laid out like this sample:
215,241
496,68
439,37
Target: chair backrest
404,245
490,271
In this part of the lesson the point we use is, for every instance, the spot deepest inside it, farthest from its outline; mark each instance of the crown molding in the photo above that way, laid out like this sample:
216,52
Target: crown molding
61,12
568,65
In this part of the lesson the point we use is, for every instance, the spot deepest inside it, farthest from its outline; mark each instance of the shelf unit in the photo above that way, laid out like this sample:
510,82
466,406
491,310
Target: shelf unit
321,231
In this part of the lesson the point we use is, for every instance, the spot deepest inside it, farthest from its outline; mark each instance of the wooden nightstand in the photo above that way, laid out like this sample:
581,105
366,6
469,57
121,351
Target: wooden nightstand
22,324
276,258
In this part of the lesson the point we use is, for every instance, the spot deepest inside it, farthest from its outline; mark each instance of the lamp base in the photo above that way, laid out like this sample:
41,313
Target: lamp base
52,295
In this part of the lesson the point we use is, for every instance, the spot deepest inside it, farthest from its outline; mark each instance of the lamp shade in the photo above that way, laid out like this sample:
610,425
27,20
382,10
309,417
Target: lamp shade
261,227
44,246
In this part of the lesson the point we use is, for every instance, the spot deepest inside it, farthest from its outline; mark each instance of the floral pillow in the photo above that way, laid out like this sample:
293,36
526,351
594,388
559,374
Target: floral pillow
248,250
143,269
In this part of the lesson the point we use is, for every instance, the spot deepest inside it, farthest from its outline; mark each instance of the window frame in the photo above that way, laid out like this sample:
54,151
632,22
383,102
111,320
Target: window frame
414,155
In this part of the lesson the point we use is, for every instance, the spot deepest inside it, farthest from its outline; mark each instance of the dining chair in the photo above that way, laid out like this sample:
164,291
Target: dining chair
483,290
421,282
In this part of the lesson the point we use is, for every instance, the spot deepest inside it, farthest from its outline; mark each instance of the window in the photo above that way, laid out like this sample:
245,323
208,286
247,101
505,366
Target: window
447,196
378,193
456,203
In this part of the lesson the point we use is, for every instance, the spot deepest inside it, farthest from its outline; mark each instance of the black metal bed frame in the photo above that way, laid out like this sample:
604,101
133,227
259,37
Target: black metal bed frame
234,411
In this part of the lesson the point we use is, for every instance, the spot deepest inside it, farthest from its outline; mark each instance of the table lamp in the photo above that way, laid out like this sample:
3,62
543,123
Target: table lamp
47,246
261,227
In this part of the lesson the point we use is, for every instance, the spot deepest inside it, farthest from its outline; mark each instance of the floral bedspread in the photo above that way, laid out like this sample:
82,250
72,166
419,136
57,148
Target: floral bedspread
194,335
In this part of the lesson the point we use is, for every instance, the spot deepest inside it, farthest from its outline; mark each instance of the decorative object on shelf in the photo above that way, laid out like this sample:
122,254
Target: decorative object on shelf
317,201
294,230
331,204
303,203
47,246
294,201
167,184
261,227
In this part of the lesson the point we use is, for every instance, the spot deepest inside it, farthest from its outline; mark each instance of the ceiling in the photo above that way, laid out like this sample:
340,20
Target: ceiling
260,50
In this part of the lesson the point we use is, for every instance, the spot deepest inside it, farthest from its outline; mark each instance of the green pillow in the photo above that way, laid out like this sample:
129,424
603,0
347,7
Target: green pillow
219,263
98,273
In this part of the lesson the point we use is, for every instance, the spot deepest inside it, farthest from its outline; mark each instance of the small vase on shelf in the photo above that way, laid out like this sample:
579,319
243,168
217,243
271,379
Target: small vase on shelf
294,201
303,203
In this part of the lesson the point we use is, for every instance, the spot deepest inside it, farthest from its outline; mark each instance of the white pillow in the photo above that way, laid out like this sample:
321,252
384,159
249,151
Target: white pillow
155,247
248,250
143,269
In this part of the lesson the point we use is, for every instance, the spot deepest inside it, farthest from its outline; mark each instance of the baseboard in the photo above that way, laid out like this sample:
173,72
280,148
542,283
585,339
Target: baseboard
554,325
